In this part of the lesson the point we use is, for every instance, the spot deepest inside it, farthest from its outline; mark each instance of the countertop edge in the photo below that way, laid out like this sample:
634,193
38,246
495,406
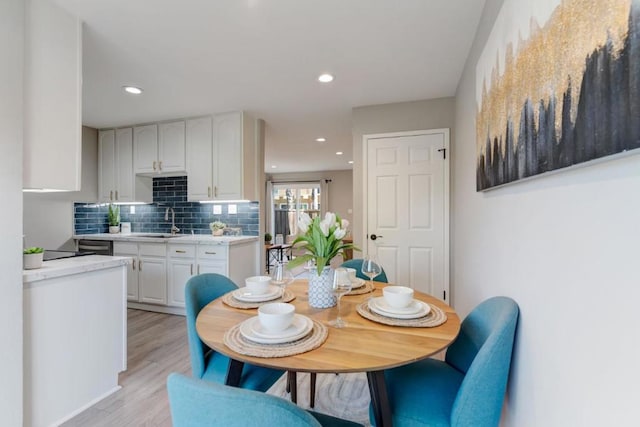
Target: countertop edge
186,239
70,266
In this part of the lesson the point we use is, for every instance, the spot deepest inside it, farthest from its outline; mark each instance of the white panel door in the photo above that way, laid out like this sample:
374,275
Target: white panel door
180,270
406,208
219,267
227,142
171,147
124,165
106,165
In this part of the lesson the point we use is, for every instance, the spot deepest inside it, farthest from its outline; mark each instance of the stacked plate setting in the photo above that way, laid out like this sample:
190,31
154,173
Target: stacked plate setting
244,295
357,283
254,331
414,310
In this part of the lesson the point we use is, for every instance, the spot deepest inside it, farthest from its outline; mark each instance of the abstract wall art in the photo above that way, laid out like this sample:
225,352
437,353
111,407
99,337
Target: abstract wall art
557,85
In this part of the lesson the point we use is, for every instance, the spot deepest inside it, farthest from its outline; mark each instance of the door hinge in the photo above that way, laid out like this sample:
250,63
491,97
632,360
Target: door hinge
444,153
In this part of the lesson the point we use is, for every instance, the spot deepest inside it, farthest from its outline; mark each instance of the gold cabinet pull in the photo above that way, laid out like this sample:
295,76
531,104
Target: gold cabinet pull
209,191
180,251
209,253
192,269
160,165
111,195
198,268
140,265
134,264
116,194
154,165
215,191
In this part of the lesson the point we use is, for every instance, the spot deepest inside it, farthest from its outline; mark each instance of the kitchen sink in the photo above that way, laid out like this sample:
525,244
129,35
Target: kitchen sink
158,235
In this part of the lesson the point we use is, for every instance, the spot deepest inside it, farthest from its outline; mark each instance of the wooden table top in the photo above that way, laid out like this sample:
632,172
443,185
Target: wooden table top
362,346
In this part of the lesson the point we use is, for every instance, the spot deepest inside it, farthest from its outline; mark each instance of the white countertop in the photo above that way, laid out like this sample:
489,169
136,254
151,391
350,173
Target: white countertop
68,266
181,238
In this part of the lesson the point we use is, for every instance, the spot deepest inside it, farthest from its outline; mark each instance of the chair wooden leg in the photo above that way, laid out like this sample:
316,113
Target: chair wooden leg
288,388
312,390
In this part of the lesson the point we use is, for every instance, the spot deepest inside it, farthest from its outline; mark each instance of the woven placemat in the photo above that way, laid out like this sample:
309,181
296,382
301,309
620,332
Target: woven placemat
368,287
436,317
238,343
230,300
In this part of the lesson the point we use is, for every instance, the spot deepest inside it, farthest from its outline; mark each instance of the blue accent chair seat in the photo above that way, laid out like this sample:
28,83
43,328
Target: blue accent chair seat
357,264
207,364
197,403
468,388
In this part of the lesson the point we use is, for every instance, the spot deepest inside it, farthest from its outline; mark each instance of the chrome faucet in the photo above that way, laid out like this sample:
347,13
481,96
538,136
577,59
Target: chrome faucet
174,229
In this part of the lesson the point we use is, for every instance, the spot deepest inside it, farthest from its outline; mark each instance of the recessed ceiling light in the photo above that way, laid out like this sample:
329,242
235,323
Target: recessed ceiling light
321,139
339,153
273,166
350,162
325,78
132,89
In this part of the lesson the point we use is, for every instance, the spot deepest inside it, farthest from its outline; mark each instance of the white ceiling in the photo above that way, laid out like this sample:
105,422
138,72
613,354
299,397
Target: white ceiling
195,57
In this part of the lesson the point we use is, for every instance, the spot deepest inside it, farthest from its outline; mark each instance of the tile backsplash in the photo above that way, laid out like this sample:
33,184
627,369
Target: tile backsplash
168,192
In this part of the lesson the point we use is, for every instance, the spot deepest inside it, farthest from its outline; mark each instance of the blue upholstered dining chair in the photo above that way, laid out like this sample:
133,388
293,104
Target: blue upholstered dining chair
357,264
197,403
468,388
207,364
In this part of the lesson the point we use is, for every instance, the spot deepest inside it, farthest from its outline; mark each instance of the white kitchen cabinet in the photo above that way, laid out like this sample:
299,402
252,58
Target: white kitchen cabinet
231,173
159,148
147,276
116,181
181,267
53,97
213,259
199,159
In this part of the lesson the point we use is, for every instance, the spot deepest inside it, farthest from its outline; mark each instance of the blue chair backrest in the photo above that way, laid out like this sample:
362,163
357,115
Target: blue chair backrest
199,403
199,291
482,351
357,264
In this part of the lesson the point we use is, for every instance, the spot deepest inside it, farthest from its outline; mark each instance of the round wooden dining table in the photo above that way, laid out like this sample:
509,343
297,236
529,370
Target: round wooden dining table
362,346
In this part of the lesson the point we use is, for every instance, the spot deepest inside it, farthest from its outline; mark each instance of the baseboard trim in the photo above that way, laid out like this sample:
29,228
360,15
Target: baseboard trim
87,406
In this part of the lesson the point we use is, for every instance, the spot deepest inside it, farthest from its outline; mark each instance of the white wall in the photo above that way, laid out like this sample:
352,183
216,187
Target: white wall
48,217
565,247
11,136
405,116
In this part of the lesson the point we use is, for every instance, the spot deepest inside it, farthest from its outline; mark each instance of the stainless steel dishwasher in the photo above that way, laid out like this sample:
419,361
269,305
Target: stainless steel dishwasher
98,247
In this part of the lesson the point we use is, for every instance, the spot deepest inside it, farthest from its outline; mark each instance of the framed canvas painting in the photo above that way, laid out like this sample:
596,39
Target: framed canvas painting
557,85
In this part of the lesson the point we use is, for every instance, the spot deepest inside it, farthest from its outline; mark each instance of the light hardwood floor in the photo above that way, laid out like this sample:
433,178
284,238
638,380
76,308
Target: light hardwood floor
156,345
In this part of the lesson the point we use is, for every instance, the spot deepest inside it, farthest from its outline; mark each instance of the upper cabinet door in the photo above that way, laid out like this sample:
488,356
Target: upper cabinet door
199,158
145,149
171,147
227,142
106,165
124,166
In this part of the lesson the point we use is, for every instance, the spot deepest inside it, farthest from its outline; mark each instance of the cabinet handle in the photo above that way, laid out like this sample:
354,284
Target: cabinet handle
154,165
209,253
180,251
116,194
134,264
140,265
209,191
111,195
160,165
215,191
192,269
198,268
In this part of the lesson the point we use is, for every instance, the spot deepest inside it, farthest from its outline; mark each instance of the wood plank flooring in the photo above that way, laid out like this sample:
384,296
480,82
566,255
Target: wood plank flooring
157,345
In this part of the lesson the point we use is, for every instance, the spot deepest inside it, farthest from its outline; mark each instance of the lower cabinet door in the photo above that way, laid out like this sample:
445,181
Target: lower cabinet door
152,280
132,281
219,267
180,271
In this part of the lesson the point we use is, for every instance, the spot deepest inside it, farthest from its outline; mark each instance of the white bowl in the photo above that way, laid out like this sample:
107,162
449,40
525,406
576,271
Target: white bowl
258,285
398,296
276,316
352,273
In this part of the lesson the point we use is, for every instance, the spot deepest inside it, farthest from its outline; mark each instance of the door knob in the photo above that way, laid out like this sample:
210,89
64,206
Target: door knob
374,237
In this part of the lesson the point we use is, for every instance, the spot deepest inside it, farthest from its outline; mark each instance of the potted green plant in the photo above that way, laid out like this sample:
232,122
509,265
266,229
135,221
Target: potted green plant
32,258
113,217
267,238
217,228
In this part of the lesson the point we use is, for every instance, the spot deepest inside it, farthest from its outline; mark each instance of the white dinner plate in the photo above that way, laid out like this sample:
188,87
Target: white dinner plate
252,330
415,310
244,295
357,283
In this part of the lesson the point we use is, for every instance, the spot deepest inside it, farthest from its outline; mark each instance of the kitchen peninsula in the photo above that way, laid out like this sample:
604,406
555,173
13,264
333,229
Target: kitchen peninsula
75,340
